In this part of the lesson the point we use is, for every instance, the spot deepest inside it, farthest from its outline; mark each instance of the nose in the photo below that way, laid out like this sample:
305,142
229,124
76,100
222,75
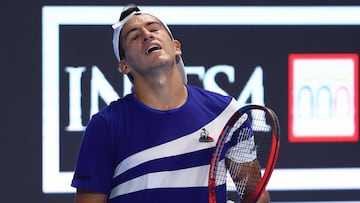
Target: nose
147,35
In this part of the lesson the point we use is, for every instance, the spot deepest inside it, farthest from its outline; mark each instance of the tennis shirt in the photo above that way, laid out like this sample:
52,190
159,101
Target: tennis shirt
134,153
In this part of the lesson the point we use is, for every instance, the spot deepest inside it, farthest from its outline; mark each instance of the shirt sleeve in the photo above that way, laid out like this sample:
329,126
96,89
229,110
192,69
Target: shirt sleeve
242,144
94,167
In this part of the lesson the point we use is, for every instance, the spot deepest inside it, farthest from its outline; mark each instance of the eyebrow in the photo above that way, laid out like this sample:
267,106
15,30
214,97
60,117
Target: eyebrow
138,28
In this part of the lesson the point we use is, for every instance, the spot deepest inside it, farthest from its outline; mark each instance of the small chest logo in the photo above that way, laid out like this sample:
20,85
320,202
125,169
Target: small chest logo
204,136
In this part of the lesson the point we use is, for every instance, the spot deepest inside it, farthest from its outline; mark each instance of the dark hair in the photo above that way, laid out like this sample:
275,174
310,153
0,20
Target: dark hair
128,11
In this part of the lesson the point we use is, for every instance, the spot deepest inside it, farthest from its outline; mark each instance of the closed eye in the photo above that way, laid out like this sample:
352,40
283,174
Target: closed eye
134,37
154,26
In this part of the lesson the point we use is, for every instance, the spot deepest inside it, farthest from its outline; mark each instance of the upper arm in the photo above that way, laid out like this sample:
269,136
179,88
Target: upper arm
85,196
95,165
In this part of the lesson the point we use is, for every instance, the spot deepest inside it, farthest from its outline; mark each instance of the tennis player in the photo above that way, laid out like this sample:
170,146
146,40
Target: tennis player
149,146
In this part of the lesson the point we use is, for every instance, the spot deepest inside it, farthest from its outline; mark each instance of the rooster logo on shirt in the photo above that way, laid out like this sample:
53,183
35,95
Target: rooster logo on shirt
204,136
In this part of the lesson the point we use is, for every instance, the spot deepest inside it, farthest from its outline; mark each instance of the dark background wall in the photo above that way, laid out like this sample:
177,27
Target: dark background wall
21,86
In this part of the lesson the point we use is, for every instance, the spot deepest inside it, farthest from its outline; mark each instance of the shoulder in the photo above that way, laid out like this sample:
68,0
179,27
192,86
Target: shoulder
119,105
208,97
115,110
212,100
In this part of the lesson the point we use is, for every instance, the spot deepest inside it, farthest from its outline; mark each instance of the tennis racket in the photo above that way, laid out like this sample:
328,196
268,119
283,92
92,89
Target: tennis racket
244,156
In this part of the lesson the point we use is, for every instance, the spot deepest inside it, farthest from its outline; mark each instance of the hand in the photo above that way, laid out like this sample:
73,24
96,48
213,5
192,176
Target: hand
264,197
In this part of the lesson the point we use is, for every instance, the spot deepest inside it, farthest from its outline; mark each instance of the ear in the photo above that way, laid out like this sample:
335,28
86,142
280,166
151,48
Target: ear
123,67
177,46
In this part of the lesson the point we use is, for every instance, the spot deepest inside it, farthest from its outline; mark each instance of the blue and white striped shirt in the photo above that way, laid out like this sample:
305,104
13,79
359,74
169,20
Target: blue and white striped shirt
134,153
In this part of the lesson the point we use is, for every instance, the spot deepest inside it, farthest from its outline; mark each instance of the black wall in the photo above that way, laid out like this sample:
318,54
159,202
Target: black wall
246,47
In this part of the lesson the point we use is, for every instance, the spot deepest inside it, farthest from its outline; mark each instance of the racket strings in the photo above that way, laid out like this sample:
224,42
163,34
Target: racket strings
219,166
259,121
220,171
239,185
239,153
245,155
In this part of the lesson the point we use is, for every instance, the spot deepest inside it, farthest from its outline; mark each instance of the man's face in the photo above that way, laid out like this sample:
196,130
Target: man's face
147,44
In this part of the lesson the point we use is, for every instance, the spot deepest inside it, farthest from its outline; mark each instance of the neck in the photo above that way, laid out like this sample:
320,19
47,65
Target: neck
167,96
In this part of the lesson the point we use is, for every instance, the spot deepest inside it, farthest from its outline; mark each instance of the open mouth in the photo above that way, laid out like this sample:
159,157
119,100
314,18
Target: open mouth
153,48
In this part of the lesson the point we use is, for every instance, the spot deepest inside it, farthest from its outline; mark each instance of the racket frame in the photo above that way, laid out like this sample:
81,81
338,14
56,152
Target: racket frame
272,158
